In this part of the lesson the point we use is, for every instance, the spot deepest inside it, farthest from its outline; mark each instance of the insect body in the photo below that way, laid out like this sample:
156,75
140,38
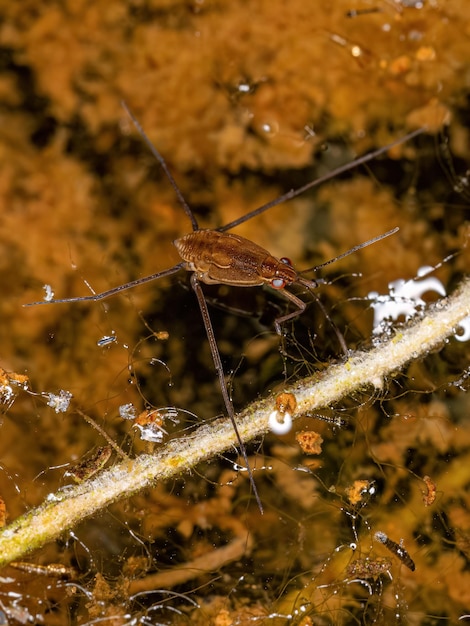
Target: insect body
233,260
225,258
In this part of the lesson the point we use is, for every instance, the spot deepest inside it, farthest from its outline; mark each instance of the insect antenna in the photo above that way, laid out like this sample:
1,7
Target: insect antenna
313,284
359,246
165,168
293,193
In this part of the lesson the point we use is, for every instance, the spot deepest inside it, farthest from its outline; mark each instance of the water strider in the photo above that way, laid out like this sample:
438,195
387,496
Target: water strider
215,256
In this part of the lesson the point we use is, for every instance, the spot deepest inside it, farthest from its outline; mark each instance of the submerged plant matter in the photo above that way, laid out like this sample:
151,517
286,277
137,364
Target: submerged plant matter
244,107
215,257
70,505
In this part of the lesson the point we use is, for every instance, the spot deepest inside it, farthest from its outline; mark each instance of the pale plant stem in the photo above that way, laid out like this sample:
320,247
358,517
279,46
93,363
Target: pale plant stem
70,505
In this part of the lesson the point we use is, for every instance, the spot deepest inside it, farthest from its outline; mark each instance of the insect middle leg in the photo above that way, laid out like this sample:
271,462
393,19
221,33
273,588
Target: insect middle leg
195,284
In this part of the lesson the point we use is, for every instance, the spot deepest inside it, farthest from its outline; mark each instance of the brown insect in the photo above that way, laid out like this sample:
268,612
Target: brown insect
395,548
220,258
216,257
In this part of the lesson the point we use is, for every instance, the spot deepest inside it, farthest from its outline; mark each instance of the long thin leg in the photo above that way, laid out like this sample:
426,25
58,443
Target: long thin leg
105,294
293,193
162,162
220,373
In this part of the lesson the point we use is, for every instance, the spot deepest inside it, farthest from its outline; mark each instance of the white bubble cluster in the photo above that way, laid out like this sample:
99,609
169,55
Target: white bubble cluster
405,299
127,411
59,402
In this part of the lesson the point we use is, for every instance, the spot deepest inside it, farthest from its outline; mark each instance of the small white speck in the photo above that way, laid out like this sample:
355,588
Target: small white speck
6,394
49,295
106,340
59,402
151,432
127,411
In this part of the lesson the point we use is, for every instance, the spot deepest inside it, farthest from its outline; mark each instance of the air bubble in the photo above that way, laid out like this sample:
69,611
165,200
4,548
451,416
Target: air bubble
280,423
463,334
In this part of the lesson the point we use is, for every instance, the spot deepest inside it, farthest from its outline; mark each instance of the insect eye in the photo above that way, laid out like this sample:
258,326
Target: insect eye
286,261
278,283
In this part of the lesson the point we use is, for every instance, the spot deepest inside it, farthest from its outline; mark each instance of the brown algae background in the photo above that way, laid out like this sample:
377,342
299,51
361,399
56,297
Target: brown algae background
244,100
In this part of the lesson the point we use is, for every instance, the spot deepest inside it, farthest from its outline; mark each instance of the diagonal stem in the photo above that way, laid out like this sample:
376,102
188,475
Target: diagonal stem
70,505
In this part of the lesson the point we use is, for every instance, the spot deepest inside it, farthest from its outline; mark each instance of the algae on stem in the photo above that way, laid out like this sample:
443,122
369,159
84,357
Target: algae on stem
69,506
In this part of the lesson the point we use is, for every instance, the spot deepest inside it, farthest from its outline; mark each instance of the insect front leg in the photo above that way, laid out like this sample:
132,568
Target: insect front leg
301,306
